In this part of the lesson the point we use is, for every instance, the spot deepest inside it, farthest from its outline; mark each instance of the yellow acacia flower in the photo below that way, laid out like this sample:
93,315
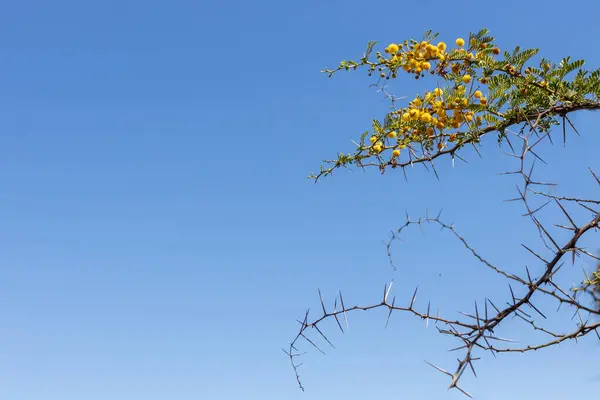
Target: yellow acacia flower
392,48
426,65
460,42
396,153
426,117
373,139
438,92
466,78
483,101
392,134
477,94
441,46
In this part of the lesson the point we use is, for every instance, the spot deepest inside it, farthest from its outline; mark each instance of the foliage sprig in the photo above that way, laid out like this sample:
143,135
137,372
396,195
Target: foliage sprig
480,90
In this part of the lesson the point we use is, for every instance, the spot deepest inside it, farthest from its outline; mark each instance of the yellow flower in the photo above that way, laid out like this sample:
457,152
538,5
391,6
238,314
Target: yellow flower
460,42
373,139
483,101
477,94
438,92
426,65
466,78
432,50
392,134
406,116
378,148
392,48
441,46
426,117
396,153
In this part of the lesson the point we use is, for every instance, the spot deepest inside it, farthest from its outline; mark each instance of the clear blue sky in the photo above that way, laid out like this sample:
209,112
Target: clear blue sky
158,235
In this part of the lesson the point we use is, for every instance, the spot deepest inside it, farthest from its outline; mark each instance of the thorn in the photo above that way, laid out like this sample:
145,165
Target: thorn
413,298
335,315
322,304
324,337
595,176
439,369
344,309
390,313
311,342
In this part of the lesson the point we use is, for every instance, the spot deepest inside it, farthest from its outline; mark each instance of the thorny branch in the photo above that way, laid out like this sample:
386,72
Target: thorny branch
477,331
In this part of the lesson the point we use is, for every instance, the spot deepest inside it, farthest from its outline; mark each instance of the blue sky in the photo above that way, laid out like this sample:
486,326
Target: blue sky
159,237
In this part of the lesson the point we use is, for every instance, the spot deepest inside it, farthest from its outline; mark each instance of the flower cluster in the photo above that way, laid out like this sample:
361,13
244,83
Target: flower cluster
417,57
430,118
